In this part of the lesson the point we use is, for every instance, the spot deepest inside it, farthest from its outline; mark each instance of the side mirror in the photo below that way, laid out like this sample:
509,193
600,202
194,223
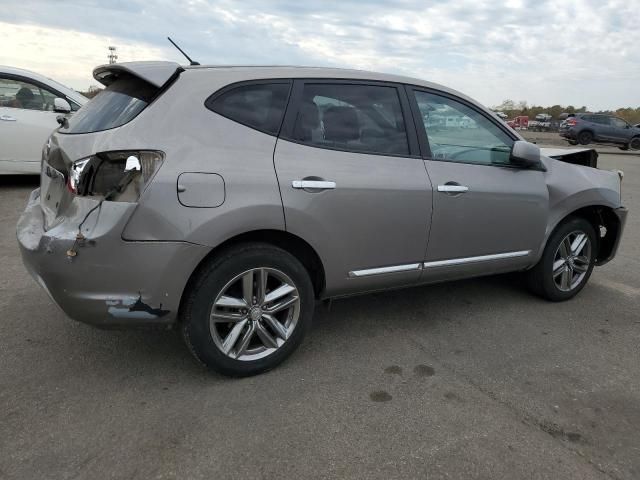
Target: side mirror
525,155
60,105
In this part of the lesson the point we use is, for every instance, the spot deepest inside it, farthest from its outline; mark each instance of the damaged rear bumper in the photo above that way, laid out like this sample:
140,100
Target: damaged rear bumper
109,282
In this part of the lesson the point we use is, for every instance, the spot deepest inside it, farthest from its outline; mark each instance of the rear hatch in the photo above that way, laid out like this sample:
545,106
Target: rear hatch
130,88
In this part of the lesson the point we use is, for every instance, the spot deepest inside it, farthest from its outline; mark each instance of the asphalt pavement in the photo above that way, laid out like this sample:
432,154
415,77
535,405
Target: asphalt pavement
472,379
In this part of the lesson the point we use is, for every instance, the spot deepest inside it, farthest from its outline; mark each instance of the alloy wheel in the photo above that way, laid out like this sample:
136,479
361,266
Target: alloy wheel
254,314
571,261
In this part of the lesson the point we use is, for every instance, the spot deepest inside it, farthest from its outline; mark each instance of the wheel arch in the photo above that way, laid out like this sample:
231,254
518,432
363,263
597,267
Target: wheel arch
588,130
606,224
287,241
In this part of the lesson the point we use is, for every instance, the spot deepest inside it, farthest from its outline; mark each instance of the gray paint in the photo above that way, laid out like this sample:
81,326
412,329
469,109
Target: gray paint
384,211
200,190
156,73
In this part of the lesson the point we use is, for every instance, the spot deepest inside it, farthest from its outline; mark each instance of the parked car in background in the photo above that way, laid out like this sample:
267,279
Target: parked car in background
542,123
586,128
520,122
29,105
227,200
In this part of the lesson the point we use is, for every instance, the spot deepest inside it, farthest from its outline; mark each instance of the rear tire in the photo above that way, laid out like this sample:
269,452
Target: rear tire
248,309
585,138
572,142
567,261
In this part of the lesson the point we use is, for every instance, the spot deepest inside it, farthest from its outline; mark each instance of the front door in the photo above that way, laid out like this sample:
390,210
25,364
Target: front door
488,215
353,184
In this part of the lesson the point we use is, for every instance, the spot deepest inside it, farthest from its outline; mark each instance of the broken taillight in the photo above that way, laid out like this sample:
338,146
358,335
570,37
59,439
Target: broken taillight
121,175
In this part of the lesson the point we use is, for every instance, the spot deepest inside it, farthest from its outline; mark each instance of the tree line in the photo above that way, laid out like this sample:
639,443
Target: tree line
514,109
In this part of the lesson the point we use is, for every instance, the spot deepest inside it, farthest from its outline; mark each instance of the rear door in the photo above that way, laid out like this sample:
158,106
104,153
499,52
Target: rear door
26,120
353,183
600,126
488,216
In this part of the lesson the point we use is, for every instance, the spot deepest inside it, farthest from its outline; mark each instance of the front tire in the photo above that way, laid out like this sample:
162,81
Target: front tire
567,261
248,310
634,144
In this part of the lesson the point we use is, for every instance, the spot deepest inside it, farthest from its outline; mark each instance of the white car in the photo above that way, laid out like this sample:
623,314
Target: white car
29,105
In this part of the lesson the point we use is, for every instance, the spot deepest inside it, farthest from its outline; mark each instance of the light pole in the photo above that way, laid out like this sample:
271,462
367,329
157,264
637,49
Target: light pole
112,54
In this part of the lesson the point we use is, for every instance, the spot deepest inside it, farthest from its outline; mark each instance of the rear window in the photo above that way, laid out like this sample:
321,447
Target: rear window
116,105
260,106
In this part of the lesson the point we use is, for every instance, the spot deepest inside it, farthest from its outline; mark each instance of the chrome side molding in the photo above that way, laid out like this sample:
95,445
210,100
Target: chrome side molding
481,258
382,270
438,263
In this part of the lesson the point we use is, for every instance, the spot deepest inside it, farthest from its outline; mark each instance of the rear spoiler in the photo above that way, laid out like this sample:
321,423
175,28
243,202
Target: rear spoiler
155,73
578,156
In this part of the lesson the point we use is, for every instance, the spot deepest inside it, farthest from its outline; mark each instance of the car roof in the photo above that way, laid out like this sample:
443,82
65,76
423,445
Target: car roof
159,72
301,71
75,96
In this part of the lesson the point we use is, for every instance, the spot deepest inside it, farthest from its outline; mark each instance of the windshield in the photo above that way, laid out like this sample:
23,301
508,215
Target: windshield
116,105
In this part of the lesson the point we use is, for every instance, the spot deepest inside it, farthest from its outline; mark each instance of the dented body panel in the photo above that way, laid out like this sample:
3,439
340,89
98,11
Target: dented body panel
108,279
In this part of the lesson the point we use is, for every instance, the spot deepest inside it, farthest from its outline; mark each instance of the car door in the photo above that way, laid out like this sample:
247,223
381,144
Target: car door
488,215
353,183
26,121
601,127
621,131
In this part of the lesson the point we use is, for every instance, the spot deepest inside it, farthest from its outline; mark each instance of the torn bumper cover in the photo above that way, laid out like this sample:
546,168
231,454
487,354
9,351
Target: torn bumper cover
109,282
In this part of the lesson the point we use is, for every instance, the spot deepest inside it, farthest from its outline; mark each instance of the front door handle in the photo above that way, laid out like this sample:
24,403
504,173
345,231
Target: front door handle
313,184
7,118
451,187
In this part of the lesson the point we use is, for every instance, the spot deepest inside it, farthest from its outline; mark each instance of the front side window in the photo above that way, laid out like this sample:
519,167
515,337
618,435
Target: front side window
617,122
260,106
16,93
351,117
459,133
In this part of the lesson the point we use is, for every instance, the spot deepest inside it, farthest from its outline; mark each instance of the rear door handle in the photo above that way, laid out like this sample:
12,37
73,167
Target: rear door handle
452,188
313,184
7,118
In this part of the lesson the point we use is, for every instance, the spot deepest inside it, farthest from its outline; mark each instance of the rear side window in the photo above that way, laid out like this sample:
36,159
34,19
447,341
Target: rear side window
351,117
114,106
260,106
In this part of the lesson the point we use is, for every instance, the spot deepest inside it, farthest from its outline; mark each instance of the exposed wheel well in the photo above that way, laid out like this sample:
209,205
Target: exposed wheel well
606,224
293,244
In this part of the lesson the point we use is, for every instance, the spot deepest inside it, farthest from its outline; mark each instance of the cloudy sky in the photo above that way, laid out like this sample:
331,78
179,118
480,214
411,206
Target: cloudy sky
569,52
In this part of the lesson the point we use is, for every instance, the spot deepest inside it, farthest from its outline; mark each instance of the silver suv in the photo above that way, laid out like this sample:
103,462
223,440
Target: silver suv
227,200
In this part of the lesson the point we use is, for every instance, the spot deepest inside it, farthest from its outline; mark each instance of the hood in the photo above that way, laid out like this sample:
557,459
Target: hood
577,156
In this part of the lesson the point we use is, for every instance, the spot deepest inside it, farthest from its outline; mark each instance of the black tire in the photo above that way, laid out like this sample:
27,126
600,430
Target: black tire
572,142
585,138
214,278
541,279
624,148
634,144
